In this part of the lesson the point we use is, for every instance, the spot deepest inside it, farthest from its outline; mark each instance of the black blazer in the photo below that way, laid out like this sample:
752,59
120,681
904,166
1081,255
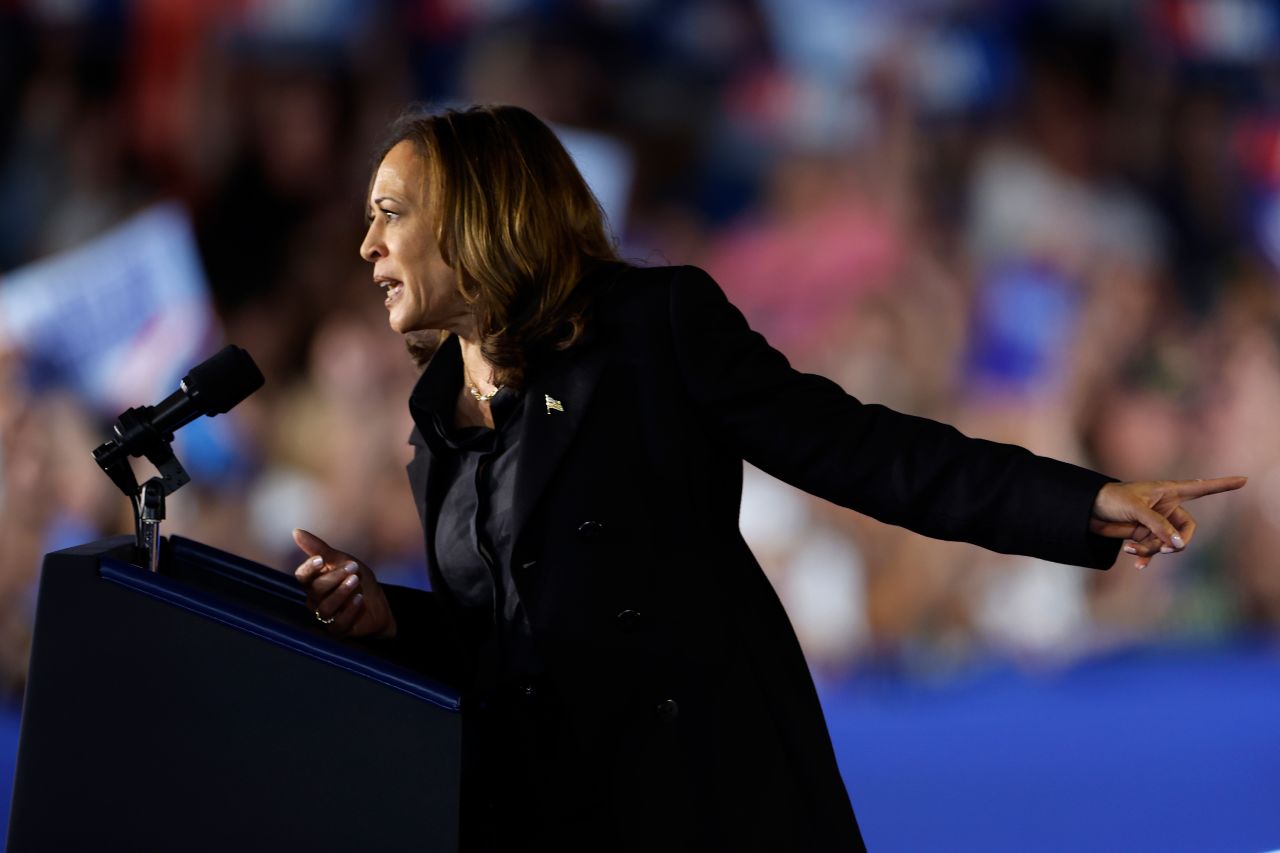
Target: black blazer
676,708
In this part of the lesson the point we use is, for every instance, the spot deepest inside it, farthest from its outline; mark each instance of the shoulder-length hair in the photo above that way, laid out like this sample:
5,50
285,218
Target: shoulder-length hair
517,224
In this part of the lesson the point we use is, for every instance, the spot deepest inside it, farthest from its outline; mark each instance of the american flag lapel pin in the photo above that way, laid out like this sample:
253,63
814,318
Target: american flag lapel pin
553,405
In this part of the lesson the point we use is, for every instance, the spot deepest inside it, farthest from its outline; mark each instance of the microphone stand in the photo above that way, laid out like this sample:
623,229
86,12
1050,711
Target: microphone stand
134,430
149,508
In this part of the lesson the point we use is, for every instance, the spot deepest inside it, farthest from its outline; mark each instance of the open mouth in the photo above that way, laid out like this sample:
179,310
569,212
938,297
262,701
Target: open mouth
391,289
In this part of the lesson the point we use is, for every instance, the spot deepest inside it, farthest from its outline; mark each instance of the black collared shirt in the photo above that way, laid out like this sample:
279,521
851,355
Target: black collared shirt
473,518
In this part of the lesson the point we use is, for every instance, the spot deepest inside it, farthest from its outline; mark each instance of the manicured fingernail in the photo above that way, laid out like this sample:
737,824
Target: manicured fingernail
1177,541
1165,549
1139,565
351,568
316,561
1129,549
357,600
350,583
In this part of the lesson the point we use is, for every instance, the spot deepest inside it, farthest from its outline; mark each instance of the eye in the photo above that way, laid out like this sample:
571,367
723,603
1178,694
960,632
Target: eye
389,215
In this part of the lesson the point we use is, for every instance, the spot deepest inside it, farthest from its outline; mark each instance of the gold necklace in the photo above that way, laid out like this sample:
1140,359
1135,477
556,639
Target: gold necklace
474,391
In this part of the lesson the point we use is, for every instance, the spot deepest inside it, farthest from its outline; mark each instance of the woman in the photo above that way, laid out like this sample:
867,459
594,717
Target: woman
580,432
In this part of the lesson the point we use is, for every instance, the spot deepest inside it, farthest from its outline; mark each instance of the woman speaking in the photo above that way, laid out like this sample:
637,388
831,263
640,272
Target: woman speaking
581,426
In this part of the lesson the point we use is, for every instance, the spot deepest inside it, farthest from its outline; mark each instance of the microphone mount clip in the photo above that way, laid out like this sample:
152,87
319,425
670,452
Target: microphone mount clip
135,436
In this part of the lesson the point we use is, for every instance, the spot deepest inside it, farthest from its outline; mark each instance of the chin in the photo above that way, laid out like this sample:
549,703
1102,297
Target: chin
403,325
398,323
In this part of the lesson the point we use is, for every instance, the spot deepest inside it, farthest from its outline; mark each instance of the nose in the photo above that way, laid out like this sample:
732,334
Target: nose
373,248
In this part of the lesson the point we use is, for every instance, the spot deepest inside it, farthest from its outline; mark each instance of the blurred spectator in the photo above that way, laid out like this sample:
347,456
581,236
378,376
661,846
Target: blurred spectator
1048,223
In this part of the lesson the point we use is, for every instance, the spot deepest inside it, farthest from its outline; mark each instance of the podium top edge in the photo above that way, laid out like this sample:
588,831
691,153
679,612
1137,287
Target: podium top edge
239,617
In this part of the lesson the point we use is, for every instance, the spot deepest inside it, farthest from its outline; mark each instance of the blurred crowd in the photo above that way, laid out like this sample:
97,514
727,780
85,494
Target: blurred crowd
1054,224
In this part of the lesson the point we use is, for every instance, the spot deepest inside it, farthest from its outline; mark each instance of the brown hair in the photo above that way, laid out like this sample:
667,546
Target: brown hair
518,226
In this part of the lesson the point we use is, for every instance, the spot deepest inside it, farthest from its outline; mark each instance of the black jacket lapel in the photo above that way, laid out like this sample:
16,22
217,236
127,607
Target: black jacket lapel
555,405
420,482
427,472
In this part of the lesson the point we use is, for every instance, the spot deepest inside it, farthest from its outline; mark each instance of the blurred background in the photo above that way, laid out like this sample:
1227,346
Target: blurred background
1054,224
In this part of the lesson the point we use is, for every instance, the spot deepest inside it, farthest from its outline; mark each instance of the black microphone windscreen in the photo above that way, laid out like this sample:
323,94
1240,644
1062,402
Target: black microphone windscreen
221,381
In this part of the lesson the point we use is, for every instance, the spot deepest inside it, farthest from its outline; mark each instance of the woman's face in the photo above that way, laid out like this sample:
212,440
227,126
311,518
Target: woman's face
401,245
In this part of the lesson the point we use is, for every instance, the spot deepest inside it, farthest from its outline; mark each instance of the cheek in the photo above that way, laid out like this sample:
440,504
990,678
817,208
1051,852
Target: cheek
443,286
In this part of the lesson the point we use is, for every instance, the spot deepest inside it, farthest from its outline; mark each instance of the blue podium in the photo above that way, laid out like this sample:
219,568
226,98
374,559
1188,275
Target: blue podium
203,708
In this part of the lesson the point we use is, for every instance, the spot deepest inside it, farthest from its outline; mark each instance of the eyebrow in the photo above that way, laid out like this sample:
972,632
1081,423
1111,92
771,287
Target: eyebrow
380,199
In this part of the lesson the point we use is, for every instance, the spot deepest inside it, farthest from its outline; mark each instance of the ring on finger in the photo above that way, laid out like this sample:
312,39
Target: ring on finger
322,619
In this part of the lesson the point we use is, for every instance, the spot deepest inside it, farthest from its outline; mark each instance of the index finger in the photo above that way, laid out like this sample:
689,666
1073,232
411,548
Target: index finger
1191,489
308,568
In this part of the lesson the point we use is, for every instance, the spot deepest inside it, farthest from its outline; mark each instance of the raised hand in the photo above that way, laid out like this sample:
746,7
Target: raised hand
342,591
1150,515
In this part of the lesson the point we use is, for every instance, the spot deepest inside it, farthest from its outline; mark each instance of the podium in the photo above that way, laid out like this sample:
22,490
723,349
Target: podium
203,708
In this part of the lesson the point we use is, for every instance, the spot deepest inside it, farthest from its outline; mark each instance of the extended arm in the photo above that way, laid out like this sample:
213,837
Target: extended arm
900,469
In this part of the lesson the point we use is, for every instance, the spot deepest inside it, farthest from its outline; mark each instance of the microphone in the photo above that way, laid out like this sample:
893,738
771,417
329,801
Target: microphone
213,387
